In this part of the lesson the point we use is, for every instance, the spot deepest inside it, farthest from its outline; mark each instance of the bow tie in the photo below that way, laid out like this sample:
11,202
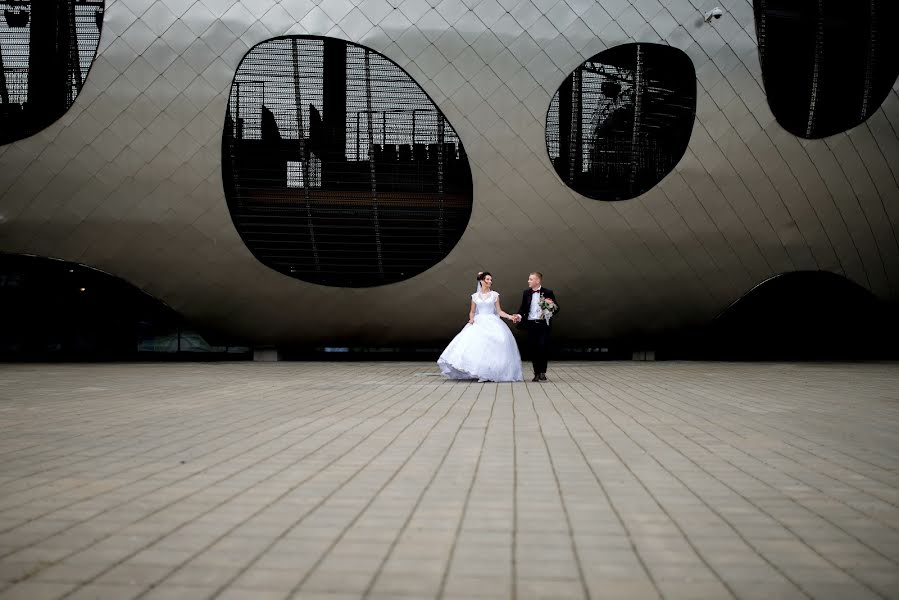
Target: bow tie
536,291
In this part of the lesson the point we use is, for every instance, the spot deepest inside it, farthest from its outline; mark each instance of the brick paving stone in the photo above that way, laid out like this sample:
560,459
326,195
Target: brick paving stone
687,590
487,586
330,481
237,593
325,596
107,591
767,590
632,589
178,592
202,575
36,590
258,578
67,572
560,588
337,581
129,573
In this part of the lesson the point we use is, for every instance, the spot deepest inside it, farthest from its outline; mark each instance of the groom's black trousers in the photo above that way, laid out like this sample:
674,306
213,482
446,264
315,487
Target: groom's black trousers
538,344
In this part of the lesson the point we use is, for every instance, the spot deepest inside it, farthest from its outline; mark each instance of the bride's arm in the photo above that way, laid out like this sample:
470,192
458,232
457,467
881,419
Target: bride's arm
471,313
500,312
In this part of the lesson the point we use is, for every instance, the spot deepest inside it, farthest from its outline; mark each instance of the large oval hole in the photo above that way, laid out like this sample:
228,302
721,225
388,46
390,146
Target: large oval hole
46,50
339,169
622,120
827,65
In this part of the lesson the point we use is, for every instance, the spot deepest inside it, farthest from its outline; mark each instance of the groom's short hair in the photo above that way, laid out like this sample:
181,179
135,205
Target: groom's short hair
538,274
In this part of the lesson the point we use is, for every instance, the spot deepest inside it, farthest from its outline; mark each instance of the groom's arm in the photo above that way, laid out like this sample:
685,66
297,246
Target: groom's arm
524,309
558,308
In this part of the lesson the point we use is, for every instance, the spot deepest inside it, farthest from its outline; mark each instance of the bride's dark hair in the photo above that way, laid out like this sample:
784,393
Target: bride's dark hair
482,276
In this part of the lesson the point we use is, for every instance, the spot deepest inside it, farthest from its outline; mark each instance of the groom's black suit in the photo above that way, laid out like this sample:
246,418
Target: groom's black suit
537,331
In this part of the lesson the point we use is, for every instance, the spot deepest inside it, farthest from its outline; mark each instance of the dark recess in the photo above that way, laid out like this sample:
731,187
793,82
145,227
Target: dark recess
827,65
805,315
622,120
53,310
338,169
46,50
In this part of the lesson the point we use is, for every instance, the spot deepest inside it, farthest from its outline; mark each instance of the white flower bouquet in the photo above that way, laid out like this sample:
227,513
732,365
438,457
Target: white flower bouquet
547,308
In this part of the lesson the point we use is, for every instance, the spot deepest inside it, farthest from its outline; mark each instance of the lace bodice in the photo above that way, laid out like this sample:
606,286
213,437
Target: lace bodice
485,348
485,304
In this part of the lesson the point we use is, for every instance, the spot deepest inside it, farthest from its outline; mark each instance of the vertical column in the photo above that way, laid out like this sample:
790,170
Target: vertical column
565,126
305,155
636,137
575,145
870,59
334,103
373,178
48,64
4,94
811,124
441,174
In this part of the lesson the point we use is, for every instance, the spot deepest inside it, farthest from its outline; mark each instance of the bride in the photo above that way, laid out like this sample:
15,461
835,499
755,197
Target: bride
485,349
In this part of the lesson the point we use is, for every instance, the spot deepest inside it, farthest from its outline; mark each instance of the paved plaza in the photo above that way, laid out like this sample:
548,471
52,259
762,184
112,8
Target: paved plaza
339,481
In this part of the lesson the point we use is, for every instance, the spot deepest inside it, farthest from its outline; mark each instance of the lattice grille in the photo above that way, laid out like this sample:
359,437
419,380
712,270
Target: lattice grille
46,50
339,169
827,65
622,120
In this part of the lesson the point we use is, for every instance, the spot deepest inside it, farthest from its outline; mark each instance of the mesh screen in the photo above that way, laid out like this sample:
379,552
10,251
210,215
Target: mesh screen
46,50
339,169
827,65
622,120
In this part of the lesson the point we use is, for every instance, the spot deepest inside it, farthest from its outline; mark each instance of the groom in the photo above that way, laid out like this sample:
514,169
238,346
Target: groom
531,319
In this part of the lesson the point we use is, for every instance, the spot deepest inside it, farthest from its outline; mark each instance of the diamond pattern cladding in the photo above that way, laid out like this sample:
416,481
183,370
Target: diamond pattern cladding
129,180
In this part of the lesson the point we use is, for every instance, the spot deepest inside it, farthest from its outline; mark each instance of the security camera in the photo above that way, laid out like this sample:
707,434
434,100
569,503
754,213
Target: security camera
715,13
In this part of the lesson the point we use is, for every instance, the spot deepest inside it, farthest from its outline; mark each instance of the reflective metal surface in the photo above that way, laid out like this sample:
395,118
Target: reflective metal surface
129,179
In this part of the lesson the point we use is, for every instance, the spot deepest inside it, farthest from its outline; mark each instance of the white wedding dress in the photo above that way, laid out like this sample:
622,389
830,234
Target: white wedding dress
485,349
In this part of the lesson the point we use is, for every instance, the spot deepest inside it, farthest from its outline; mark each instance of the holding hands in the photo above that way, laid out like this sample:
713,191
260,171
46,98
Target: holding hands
484,293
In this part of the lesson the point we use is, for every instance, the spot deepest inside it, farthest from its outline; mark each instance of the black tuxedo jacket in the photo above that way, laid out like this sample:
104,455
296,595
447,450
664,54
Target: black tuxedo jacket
526,304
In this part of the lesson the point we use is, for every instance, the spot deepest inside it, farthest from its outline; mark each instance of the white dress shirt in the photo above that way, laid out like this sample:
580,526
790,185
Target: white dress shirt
535,314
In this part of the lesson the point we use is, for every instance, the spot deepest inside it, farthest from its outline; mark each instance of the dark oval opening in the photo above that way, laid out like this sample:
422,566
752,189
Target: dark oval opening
46,50
338,168
805,315
622,120
827,65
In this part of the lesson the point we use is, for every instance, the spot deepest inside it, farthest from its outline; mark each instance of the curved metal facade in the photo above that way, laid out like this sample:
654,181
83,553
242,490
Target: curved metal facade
129,180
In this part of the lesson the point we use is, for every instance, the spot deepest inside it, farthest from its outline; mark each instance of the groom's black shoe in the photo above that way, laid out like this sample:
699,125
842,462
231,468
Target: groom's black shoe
536,377
543,377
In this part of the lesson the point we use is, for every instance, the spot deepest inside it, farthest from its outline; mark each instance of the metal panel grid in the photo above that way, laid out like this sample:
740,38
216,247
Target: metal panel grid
129,180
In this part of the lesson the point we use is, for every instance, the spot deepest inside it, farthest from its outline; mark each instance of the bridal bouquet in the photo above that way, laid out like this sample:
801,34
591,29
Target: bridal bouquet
547,307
